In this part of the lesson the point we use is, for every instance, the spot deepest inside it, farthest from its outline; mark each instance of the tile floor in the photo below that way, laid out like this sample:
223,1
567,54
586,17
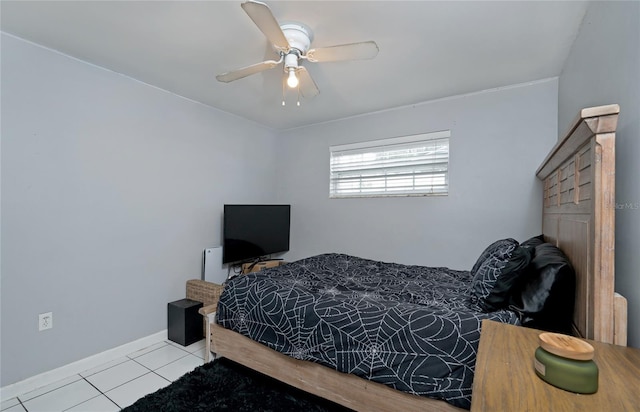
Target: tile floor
115,385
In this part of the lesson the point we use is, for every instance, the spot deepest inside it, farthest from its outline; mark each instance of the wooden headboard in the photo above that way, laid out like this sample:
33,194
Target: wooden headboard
579,217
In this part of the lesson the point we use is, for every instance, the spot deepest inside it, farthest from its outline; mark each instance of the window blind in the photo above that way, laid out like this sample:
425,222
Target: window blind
401,166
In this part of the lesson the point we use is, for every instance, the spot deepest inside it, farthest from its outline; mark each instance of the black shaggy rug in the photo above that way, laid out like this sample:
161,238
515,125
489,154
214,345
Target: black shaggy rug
223,385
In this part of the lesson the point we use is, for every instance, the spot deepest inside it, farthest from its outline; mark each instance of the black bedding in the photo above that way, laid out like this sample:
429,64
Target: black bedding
413,328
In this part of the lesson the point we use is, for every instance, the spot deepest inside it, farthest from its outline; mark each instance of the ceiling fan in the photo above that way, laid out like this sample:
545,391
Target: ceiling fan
292,42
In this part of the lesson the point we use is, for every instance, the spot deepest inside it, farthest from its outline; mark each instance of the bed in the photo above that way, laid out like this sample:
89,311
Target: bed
372,304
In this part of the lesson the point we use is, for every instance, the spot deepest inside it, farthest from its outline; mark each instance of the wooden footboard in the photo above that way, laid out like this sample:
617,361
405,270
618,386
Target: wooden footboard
343,388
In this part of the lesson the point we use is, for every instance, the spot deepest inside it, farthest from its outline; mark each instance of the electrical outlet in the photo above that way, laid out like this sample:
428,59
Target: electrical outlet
45,321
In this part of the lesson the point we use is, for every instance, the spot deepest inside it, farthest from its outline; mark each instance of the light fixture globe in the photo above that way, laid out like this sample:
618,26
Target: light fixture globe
290,67
292,80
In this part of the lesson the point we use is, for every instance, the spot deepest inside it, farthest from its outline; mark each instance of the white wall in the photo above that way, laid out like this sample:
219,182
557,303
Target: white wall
602,68
498,139
110,191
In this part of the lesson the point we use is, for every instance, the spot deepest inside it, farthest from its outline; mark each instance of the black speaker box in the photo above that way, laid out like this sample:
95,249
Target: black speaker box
184,321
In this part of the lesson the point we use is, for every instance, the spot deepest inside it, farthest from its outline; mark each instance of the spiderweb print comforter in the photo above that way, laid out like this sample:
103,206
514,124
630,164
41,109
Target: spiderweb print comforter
412,328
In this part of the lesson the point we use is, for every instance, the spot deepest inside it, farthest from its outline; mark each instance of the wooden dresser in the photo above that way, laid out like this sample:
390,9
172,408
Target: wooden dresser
505,379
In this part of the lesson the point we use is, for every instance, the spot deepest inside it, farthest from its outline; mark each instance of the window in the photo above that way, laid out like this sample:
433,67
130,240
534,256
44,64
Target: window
415,165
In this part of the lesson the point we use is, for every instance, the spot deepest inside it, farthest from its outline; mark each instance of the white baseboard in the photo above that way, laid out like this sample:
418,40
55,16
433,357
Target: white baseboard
49,377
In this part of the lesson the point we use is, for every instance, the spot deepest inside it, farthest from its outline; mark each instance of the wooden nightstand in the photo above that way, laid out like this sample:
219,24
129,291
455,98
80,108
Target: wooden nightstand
505,379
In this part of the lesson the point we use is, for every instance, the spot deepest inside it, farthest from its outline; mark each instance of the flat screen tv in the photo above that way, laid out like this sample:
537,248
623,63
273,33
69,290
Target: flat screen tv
253,231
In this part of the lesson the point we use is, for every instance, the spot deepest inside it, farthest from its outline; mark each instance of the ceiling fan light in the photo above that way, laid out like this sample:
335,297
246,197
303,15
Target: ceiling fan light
292,80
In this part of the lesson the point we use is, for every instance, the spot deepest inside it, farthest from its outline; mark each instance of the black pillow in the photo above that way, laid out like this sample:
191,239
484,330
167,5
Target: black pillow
534,241
490,267
544,298
515,268
500,248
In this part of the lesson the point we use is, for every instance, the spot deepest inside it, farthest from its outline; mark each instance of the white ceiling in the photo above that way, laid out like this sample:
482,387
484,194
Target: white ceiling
428,49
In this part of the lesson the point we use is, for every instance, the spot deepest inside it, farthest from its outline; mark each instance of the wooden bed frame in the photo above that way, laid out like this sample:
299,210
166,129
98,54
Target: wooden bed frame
578,216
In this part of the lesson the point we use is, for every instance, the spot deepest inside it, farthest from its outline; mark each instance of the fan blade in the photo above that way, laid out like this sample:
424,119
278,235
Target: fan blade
261,15
246,71
308,87
352,51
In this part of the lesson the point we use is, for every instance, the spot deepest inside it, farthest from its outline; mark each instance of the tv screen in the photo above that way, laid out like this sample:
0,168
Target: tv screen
253,231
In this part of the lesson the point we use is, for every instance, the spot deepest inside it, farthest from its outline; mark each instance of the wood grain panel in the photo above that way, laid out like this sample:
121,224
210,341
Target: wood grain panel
585,175
551,190
550,228
584,155
592,120
620,318
586,189
579,214
567,182
604,236
604,123
575,240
